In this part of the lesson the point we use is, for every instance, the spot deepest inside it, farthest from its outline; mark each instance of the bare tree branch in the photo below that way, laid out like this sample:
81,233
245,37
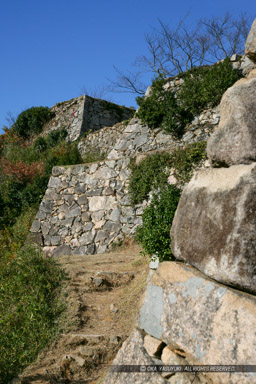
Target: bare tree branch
172,51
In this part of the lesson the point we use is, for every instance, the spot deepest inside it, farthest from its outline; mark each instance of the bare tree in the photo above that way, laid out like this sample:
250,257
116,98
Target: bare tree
172,51
227,35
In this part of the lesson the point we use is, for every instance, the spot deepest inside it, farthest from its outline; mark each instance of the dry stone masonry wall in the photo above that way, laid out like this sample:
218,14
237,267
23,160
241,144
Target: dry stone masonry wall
85,114
86,208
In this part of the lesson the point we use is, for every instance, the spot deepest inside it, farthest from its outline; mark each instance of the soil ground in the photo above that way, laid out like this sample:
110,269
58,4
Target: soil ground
102,295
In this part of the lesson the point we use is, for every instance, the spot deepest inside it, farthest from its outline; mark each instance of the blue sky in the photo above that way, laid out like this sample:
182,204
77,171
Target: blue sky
53,49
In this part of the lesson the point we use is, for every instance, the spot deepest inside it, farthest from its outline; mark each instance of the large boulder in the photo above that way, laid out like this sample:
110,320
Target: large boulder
215,225
250,44
206,322
133,353
234,141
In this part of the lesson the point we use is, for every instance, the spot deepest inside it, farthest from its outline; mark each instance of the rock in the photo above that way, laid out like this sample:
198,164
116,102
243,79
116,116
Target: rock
218,206
101,235
169,357
87,238
35,238
63,250
153,346
54,182
250,44
234,141
35,227
74,212
211,323
132,352
86,216
115,214
97,203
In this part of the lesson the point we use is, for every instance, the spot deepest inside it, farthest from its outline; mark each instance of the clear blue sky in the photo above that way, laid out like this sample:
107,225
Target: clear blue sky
52,49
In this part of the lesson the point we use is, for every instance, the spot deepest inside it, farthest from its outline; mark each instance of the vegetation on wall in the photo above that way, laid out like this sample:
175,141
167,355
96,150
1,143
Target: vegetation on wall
154,234
153,171
151,176
203,88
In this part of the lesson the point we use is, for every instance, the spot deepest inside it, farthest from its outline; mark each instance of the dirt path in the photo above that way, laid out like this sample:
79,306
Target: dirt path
102,293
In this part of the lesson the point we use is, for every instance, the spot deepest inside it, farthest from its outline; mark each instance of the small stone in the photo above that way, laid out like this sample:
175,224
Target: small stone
82,200
113,308
55,240
36,225
169,357
86,216
101,235
153,346
61,216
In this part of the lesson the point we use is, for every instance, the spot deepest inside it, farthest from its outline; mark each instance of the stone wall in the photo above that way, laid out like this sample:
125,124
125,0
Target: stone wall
85,114
86,208
129,140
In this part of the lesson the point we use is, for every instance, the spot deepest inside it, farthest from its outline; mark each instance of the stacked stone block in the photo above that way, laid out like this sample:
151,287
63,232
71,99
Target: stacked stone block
85,114
86,208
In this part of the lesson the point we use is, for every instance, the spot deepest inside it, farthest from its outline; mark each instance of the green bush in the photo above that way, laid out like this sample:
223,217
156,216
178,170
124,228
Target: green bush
29,308
153,171
154,234
204,86
186,160
55,137
31,121
149,174
160,109
40,144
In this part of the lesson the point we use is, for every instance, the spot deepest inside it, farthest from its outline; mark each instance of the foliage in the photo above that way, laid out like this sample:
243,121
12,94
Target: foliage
186,160
29,307
31,121
203,87
160,109
25,170
153,171
154,234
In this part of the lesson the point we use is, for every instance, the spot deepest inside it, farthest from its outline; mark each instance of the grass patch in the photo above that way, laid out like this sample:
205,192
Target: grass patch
29,308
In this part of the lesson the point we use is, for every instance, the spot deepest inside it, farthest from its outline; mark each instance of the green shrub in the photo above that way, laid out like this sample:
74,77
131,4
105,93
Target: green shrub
29,308
160,109
203,87
150,173
40,144
186,160
31,121
153,171
55,137
154,234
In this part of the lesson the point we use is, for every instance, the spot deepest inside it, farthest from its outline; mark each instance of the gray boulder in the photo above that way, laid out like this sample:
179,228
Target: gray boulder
234,141
215,224
204,321
250,44
133,353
